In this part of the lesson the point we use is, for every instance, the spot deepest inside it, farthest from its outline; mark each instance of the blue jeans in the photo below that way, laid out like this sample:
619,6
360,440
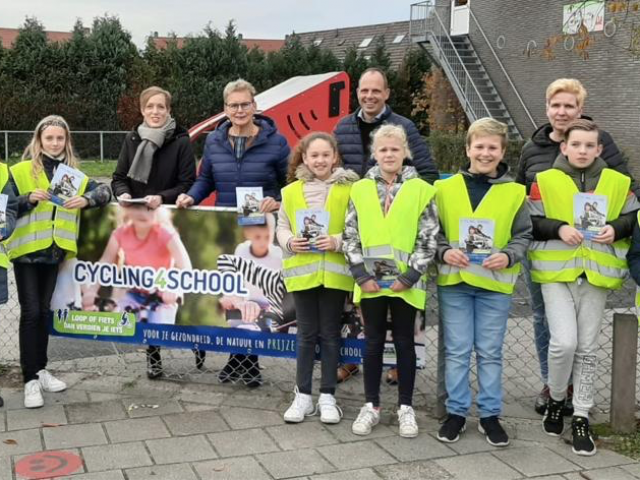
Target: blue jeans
473,319
540,323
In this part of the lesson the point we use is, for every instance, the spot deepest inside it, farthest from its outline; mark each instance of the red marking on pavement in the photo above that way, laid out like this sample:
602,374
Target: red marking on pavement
48,465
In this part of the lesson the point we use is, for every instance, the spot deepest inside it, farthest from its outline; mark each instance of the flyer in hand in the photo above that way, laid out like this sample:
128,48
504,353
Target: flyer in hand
248,200
589,213
476,238
384,270
65,184
3,214
311,224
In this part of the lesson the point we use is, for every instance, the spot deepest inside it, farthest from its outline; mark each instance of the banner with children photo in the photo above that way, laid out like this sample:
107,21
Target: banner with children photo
191,279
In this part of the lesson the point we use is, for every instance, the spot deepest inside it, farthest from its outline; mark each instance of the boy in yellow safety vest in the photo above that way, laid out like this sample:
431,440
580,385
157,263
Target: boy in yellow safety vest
577,266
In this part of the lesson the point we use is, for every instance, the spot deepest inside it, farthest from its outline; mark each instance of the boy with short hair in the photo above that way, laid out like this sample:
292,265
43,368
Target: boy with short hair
578,267
476,279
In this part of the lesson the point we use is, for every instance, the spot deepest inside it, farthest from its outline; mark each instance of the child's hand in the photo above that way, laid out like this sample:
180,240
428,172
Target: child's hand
39,195
169,297
250,311
299,245
75,202
570,235
398,286
497,261
607,235
326,243
153,201
370,286
229,302
184,201
269,204
456,258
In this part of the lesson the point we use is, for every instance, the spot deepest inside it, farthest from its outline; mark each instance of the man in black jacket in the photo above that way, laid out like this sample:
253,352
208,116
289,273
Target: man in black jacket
564,103
353,132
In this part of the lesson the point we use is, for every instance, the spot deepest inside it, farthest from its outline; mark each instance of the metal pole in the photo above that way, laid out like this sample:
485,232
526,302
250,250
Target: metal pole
6,146
101,147
623,373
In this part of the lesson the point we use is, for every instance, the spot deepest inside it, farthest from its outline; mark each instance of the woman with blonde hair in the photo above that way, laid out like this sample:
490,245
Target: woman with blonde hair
44,236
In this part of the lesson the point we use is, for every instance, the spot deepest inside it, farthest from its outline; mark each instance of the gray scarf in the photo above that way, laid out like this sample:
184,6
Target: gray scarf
152,140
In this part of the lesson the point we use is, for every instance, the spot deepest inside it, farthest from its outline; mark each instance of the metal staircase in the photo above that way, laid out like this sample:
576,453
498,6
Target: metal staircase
462,66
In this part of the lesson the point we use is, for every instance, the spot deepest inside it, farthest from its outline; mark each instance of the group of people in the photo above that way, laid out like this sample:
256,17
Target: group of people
377,182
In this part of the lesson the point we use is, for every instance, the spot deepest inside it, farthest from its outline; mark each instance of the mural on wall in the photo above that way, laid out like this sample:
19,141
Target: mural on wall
588,13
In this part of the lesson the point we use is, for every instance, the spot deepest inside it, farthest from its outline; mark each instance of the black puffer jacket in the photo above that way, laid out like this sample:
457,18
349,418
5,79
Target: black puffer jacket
541,151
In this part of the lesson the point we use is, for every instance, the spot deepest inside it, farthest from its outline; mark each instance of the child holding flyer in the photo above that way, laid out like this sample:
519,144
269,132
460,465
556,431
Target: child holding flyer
577,270
315,269
485,232
392,216
44,236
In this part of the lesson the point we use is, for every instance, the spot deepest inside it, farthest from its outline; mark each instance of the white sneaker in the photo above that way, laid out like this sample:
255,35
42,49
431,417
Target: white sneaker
329,410
49,383
407,422
367,419
301,407
33,394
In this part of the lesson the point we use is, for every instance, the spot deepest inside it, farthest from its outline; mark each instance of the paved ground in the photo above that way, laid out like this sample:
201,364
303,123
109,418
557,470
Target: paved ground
127,427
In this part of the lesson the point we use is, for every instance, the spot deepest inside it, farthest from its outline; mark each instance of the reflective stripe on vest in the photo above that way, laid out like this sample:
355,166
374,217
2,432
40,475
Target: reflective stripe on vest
308,270
46,223
553,260
4,178
393,235
500,204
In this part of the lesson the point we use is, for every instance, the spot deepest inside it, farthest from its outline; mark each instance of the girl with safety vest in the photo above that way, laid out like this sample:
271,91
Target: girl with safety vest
392,219
476,278
7,224
576,267
44,236
316,273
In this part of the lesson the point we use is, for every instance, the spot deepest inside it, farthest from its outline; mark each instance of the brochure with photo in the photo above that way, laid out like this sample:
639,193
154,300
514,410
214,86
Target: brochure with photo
476,238
249,199
131,201
384,270
589,213
65,184
3,214
311,224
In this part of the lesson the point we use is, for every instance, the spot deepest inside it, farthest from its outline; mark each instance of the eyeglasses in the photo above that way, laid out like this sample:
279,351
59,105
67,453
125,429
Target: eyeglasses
234,107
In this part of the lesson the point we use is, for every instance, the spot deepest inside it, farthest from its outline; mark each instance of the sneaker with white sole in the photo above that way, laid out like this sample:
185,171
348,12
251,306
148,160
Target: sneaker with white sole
368,418
302,406
407,422
49,383
329,410
33,394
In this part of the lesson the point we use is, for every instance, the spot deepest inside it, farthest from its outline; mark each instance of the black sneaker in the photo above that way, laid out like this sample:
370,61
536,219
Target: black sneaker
552,422
492,430
231,371
251,375
200,355
542,399
154,362
582,440
451,428
1,402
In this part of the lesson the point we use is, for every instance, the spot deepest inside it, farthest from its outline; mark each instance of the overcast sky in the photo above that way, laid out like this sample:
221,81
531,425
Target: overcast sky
254,18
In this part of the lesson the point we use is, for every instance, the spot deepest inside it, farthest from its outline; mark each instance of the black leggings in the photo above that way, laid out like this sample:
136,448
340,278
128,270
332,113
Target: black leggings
403,315
36,283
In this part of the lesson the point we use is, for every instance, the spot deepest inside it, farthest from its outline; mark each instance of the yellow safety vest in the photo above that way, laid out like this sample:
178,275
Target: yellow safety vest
393,235
46,223
638,286
554,261
308,270
4,177
500,204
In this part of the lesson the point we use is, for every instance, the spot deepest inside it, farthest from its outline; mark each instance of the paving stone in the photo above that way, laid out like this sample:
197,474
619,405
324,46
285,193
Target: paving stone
112,475
413,471
528,461
363,474
134,429
162,472
164,407
35,417
239,418
67,397
532,432
181,449
193,423
301,435
342,431
103,397
468,466
74,436
199,397
112,457
3,423
26,441
551,477
602,459
95,412
423,447
74,451
295,463
633,469
197,407
231,469
612,473
242,442
356,455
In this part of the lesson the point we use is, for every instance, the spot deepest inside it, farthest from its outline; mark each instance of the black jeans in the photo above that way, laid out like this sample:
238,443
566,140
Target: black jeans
318,314
36,283
403,315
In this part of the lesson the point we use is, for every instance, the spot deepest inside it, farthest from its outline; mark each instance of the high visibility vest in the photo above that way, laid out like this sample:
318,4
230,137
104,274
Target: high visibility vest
554,261
638,286
46,223
392,235
4,177
308,270
500,204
